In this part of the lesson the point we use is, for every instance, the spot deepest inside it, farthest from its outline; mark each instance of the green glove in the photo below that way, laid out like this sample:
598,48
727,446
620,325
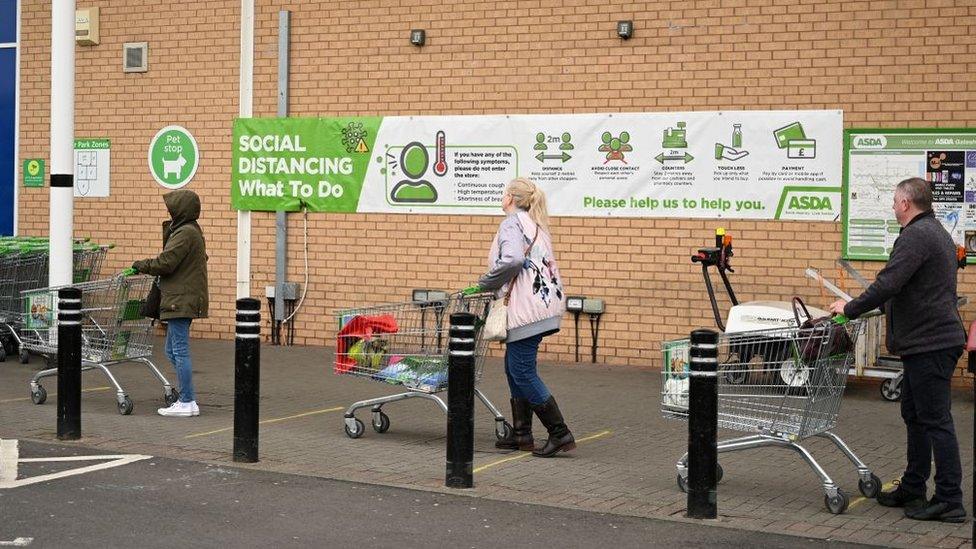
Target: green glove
472,290
129,272
840,319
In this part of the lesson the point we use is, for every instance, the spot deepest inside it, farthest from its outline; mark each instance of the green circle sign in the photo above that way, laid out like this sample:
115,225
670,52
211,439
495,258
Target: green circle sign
173,157
33,167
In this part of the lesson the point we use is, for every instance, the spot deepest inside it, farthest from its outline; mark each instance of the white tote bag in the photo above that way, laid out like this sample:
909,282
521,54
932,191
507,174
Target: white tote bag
496,325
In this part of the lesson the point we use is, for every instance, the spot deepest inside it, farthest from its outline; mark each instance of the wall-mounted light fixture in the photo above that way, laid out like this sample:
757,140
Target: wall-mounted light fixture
418,37
625,29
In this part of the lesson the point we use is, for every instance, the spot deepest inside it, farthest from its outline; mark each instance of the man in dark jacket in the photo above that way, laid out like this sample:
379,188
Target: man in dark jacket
182,272
918,290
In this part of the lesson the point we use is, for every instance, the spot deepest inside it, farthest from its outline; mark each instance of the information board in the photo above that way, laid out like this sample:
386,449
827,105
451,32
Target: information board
876,160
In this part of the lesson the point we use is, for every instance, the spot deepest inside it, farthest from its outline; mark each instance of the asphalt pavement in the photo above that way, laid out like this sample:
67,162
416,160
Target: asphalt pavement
160,502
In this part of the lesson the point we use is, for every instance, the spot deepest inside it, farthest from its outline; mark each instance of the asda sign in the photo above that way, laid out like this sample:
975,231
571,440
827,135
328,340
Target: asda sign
813,202
869,142
728,164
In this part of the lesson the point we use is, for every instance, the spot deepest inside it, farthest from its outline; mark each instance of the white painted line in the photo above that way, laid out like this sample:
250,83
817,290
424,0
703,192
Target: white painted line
100,457
117,462
18,542
8,460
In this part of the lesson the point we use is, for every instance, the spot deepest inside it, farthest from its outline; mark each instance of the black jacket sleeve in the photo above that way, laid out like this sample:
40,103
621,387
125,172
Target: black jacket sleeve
907,255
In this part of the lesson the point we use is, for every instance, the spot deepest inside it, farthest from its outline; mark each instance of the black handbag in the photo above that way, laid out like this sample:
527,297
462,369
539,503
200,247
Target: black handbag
820,337
150,305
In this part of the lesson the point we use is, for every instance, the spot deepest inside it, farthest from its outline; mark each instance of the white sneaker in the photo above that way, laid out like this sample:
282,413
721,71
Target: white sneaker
195,408
178,409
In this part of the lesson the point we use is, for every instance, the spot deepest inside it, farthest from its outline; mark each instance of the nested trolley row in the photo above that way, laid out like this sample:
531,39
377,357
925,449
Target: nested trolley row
24,266
781,386
405,344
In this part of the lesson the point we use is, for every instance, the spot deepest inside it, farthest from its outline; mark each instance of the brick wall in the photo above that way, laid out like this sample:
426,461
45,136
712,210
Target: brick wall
894,63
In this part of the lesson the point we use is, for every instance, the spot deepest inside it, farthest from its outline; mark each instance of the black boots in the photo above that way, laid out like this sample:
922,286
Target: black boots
521,436
560,439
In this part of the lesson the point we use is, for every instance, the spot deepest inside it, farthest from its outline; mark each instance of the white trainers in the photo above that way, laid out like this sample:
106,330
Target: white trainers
180,409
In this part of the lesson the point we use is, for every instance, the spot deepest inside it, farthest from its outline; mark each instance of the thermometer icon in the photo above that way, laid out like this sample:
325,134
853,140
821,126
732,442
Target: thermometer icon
440,165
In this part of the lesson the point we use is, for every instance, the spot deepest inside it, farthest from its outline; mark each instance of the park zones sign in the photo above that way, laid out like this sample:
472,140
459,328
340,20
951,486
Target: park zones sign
741,165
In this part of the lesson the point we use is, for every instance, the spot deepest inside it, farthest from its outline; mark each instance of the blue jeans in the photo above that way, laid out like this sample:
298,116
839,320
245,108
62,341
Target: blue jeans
925,407
178,353
520,369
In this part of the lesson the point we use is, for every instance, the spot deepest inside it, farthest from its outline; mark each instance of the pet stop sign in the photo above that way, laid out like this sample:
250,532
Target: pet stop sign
173,157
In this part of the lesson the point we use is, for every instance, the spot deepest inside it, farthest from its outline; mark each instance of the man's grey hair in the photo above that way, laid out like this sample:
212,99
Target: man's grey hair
917,191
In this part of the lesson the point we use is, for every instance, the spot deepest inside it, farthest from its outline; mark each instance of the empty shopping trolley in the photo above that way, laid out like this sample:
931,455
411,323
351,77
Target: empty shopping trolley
113,332
405,344
781,386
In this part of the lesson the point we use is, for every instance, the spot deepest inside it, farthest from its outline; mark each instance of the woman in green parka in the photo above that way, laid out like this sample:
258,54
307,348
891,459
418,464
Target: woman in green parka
182,272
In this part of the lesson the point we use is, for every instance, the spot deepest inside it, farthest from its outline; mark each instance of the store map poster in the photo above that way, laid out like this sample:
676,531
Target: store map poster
876,160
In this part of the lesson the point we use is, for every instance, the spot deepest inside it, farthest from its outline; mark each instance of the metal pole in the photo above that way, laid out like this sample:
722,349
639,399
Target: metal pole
460,402
703,425
247,376
69,364
246,110
61,220
281,218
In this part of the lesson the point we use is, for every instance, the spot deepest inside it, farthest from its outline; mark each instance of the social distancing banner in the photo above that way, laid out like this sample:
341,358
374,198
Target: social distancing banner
744,164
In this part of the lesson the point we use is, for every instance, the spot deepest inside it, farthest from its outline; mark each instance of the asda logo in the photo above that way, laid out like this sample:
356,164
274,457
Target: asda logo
870,142
811,203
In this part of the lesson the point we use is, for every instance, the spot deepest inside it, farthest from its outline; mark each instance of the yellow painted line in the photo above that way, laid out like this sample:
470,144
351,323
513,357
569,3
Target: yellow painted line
859,499
52,395
267,421
521,455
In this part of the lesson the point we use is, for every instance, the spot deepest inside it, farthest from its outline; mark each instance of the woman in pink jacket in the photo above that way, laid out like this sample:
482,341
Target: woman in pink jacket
522,269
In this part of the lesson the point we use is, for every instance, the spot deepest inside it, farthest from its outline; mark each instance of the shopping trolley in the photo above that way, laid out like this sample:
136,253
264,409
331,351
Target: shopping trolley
781,386
24,266
405,344
113,332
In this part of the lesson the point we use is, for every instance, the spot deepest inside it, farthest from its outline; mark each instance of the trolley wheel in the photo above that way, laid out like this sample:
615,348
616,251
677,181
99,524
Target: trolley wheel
39,395
358,432
384,424
836,504
172,396
719,473
506,432
3,353
24,356
870,488
891,389
125,406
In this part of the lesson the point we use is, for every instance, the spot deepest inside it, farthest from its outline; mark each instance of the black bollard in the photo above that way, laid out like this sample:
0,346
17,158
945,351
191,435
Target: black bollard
247,376
703,425
460,402
69,364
